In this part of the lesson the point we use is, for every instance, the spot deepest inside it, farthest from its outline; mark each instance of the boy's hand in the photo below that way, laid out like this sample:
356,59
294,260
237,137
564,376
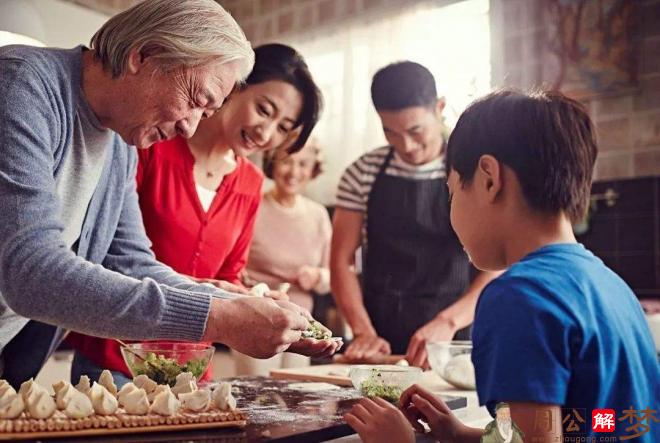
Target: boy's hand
418,404
378,421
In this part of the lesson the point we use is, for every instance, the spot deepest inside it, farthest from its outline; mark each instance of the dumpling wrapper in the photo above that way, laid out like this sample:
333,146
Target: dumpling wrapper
165,404
63,394
144,382
84,385
26,388
108,382
103,401
223,398
259,290
6,391
126,389
11,404
197,401
41,405
136,402
57,387
78,406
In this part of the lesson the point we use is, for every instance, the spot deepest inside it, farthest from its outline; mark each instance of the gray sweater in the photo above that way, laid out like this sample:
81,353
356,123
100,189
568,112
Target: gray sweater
112,285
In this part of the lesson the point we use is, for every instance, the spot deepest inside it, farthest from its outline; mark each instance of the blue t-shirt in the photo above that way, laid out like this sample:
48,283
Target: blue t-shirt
559,327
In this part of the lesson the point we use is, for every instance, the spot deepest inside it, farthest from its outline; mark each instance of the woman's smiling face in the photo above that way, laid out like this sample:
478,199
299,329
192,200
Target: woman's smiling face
260,117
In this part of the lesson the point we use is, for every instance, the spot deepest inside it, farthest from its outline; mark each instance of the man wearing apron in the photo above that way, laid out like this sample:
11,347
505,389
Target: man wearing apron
417,284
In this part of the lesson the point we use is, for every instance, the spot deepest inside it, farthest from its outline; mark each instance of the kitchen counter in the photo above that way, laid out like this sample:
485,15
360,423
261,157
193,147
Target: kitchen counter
278,411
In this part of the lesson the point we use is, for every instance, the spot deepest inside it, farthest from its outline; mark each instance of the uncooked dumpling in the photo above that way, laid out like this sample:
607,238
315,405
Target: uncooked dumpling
103,401
144,382
160,388
195,401
223,398
26,388
40,404
126,389
78,405
185,383
165,404
11,404
84,385
136,402
259,290
63,394
108,382
4,387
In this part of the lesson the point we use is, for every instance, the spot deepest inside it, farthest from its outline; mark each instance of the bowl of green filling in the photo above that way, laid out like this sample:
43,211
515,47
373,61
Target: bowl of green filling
385,381
162,361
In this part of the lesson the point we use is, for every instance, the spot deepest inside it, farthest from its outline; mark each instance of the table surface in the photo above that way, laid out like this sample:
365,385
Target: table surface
278,411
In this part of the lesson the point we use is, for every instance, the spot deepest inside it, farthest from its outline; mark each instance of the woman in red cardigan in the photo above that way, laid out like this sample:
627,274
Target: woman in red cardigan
199,197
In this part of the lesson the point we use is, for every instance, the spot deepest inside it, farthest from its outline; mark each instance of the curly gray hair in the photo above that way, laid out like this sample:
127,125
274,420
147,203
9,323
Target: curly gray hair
176,32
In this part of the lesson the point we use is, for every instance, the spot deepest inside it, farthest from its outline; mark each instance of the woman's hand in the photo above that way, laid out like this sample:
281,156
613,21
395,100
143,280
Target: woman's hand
438,329
308,277
378,421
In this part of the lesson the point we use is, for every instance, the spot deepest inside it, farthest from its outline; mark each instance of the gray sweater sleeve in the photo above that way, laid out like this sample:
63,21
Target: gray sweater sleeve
40,278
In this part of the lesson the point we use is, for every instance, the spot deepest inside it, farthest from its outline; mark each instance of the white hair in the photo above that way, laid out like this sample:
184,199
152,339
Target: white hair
178,33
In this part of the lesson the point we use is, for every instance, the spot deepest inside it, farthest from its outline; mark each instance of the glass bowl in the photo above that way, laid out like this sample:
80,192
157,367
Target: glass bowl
385,381
451,360
162,361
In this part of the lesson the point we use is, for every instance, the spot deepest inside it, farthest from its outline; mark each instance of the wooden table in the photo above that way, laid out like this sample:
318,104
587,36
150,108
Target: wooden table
277,413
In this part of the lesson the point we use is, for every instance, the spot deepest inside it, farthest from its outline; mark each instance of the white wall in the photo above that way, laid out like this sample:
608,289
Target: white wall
54,22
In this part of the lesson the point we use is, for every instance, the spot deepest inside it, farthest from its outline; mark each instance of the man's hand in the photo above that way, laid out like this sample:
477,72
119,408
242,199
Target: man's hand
368,345
221,284
308,277
255,326
316,348
378,421
420,405
437,329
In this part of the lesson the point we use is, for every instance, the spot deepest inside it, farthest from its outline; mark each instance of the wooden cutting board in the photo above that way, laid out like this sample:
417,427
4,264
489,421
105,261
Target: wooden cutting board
336,374
373,360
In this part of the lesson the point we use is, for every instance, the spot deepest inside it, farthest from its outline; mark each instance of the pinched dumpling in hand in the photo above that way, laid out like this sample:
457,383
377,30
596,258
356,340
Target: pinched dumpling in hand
223,398
78,405
108,382
165,403
11,402
317,330
196,401
103,401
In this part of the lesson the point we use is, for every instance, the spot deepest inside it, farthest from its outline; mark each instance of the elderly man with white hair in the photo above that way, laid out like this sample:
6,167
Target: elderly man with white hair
73,251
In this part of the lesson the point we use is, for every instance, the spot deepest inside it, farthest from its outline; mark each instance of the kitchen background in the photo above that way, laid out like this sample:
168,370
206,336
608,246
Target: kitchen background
606,53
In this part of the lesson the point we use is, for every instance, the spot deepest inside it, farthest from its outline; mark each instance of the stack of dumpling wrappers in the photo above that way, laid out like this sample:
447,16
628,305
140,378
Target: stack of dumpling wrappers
141,402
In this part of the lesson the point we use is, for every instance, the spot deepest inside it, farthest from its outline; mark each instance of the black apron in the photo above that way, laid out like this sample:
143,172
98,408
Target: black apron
414,266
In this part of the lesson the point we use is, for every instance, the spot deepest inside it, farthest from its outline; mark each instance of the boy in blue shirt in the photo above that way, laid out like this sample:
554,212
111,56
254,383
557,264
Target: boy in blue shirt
558,330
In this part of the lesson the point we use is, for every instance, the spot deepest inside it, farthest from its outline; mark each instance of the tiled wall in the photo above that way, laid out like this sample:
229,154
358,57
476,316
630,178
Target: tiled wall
626,235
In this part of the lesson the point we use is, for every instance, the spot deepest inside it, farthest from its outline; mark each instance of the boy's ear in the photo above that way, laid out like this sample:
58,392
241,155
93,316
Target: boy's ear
439,106
490,171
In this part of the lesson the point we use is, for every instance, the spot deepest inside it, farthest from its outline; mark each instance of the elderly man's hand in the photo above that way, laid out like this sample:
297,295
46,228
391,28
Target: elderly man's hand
221,284
316,348
255,326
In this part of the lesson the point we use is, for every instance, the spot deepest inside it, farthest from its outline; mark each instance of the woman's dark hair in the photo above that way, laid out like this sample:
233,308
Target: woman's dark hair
280,62
403,85
272,157
547,139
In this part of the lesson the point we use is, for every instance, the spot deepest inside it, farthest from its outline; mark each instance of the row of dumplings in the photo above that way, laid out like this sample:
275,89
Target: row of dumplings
140,397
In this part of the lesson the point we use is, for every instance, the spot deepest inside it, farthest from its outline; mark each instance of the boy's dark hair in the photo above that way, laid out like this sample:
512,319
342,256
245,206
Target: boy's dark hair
281,62
403,85
547,139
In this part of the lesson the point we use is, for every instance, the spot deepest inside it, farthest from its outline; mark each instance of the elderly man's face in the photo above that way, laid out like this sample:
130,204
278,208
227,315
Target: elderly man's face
158,105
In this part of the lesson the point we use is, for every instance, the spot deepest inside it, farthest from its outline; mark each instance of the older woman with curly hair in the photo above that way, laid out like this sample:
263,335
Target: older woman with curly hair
291,243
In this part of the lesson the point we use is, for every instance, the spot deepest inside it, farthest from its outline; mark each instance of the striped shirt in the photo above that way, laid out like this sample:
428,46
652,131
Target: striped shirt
358,179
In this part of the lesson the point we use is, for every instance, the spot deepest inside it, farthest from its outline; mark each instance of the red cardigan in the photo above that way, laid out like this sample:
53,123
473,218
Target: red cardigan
207,245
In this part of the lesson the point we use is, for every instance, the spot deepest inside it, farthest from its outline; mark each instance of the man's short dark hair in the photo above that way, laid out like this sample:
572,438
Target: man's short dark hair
403,85
547,139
